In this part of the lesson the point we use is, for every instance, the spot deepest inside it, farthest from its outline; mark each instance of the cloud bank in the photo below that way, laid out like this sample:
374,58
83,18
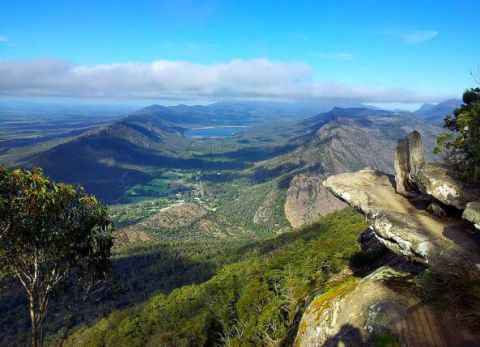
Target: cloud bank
166,79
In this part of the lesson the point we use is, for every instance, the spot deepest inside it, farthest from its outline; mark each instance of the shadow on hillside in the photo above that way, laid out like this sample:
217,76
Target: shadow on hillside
252,154
136,278
118,165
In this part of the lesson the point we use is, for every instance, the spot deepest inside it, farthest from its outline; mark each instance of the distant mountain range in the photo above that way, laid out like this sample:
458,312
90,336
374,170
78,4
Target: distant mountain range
436,113
239,113
110,158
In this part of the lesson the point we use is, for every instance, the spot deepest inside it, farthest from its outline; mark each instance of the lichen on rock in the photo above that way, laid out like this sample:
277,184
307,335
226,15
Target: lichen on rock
438,181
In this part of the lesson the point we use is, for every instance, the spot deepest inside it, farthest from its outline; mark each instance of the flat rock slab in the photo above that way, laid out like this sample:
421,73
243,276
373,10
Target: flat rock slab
447,245
437,181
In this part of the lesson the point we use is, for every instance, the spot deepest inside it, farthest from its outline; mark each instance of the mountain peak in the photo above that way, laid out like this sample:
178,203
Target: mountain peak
436,113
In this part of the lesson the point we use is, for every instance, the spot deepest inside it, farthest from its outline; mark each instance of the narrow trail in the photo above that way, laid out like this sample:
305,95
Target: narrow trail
425,326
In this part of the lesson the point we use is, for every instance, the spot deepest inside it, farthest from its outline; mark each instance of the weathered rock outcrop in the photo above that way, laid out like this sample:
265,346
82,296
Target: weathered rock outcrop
307,199
437,180
354,312
409,159
472,213
418,226
444,244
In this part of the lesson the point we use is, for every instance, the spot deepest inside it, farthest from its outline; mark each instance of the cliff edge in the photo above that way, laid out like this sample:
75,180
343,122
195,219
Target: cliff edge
428,293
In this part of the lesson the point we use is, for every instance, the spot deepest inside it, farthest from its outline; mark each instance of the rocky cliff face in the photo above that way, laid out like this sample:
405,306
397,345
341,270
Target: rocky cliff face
307,199
381,309
417,217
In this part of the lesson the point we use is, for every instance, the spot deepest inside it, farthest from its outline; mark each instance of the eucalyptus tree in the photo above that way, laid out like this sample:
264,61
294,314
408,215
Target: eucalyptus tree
51,236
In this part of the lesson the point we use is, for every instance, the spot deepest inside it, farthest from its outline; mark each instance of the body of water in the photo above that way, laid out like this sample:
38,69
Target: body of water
215,131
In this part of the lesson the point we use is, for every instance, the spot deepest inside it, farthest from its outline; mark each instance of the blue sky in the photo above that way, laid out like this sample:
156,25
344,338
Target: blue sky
374,51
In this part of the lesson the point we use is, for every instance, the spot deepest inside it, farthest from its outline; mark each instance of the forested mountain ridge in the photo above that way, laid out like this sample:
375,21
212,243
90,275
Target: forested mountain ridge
239,113
111,158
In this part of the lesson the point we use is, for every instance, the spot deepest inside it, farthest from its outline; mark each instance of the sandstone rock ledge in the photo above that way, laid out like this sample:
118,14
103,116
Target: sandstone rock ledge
354,312
437,181
447,245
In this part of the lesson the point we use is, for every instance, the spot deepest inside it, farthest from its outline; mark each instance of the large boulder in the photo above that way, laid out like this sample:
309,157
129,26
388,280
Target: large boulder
472,213
409,158
444,244
438,181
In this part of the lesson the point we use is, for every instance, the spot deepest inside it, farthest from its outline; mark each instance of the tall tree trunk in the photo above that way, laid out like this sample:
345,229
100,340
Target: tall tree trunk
34,321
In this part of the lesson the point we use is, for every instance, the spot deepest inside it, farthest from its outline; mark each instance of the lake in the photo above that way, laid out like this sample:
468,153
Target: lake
215,131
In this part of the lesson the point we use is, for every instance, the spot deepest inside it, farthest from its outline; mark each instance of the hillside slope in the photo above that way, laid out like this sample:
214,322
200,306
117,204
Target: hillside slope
347,140
107,159
252,301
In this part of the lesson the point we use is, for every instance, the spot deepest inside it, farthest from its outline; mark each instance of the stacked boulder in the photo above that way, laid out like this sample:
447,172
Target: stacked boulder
416,214
413,176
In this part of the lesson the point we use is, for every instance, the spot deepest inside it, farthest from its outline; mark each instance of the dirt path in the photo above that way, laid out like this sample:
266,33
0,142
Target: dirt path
425,326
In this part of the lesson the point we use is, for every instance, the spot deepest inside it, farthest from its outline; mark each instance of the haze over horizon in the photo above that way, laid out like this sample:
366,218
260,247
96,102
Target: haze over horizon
200,52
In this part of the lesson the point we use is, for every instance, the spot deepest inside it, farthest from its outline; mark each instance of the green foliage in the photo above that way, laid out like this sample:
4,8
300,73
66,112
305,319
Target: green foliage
385,340
462,144
51,235
250,302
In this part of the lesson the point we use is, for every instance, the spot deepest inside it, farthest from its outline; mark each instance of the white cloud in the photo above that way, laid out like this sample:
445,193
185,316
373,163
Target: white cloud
166,79
3,38
335,56
412,37
418,36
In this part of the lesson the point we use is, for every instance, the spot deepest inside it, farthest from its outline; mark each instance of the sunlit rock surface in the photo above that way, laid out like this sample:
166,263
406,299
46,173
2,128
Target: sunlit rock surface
354,312
437,181
405,227
409,159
